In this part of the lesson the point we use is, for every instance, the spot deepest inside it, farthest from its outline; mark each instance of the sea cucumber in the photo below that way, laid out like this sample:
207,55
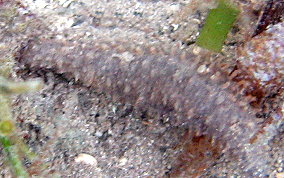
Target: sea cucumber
177,83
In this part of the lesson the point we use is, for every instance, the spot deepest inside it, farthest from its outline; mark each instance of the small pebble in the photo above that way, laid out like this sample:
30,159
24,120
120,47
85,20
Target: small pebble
280,175
86,158
123,161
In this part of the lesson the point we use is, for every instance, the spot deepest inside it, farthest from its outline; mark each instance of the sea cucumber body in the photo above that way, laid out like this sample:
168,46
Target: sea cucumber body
166,83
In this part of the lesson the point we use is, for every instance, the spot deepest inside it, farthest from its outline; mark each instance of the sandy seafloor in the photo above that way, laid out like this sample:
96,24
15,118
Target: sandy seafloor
66,120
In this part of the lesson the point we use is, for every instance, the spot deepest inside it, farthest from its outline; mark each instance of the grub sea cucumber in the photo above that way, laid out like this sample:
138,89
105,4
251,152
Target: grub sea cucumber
177,83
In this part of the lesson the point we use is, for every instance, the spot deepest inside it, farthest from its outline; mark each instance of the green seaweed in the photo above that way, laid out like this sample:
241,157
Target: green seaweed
218,24
8,87
14,149
11,147
6,127
10,151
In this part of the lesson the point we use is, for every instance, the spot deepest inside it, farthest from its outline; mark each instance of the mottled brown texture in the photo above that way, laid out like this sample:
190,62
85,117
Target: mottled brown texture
199,153
260,73
261,64
263,56
271,14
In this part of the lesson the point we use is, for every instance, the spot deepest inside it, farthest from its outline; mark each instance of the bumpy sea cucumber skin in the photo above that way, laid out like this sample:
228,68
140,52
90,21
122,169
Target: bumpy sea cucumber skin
168,83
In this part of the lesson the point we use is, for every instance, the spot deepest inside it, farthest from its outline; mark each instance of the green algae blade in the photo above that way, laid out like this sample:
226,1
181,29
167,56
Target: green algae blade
13,158
218,24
